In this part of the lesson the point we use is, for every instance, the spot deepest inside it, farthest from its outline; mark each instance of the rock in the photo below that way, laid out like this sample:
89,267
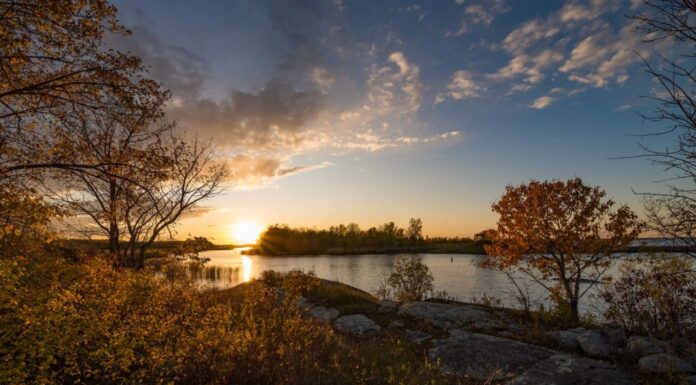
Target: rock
303,303
665,363
639,346
488,325
616,337
443,315
387,306
323,314
357,325
396,324
593,343
481,356
691,380
417,336
563,369
566,339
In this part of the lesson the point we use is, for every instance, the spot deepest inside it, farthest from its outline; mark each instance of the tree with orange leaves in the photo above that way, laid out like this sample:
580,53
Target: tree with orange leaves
559,234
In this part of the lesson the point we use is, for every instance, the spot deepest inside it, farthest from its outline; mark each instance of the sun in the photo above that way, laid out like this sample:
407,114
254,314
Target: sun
246,232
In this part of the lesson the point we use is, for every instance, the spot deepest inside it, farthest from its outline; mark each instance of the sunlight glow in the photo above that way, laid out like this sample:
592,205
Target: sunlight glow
246,268
246,232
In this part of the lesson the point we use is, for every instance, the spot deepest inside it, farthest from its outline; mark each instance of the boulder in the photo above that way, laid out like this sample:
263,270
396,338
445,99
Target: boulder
387,306
565,339
396,324
302,302
616,337
487,325
417,336
691,380
639,346
443,315
323,314
481,356
357,325
665,363
563,369
594,343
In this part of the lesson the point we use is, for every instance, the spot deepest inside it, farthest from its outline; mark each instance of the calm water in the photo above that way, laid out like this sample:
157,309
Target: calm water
457,274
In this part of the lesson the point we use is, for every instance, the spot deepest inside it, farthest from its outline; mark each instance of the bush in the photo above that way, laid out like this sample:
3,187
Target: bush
65,323
658,297
411,279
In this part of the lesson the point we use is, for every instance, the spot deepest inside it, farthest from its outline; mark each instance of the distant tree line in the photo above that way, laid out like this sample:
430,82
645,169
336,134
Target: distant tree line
346,239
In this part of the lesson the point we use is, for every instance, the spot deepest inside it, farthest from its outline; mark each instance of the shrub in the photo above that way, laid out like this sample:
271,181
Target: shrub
411,279
658,297
65,323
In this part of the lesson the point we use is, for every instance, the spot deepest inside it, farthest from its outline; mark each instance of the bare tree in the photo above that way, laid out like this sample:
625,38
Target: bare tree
673,213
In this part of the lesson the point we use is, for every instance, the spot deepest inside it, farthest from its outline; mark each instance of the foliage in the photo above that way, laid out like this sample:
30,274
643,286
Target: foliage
559,230
656,297
56,71
65,323
24,222
411,279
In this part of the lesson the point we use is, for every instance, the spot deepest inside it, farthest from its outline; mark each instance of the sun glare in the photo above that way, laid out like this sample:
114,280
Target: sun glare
246,232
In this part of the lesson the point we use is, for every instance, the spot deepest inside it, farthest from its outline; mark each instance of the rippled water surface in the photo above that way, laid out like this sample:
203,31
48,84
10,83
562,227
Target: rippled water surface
457,274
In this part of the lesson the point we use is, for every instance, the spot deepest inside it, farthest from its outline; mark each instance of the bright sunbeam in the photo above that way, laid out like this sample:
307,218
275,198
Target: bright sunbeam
246,232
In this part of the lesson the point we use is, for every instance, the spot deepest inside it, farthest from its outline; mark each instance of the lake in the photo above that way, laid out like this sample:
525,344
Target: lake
457,274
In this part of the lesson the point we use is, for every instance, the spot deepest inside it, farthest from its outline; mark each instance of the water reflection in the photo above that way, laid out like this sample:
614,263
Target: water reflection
246,268
457,274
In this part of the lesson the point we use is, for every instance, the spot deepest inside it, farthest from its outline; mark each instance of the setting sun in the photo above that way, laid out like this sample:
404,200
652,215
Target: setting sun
246,232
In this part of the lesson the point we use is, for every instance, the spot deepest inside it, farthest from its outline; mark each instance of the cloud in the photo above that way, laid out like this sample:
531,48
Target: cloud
396,87
462,86
542,102
578,43
478,15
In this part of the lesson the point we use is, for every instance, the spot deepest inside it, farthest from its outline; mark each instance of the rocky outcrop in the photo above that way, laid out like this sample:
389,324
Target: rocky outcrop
639,346
665,363
443,315
563,369
594,343
481,356
417,336
356,325
387,306
323,314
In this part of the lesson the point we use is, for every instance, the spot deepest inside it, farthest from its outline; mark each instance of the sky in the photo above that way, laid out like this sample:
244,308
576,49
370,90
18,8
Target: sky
338,111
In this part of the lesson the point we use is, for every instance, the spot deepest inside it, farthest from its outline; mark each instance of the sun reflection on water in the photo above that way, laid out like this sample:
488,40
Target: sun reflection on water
246,268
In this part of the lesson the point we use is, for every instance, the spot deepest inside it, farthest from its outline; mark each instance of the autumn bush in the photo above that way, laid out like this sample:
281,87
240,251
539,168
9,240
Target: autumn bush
411,279
64,322
655,297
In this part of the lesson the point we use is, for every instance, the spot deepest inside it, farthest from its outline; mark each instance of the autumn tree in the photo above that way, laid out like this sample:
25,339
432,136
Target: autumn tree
559,234
55,70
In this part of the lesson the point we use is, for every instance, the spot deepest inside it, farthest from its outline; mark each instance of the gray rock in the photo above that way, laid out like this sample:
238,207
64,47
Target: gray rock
396,324
488,325
387,306
417,336
566,339
665,363
443,315
691,380
302,302
639,346
616,337
593,343
481,356
323,314
563,369
357,325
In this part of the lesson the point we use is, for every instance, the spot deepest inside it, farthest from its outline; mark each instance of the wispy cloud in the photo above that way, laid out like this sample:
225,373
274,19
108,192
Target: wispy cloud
542,102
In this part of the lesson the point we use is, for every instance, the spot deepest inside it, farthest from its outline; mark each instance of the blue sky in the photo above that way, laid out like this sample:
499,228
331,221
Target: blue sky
370,111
